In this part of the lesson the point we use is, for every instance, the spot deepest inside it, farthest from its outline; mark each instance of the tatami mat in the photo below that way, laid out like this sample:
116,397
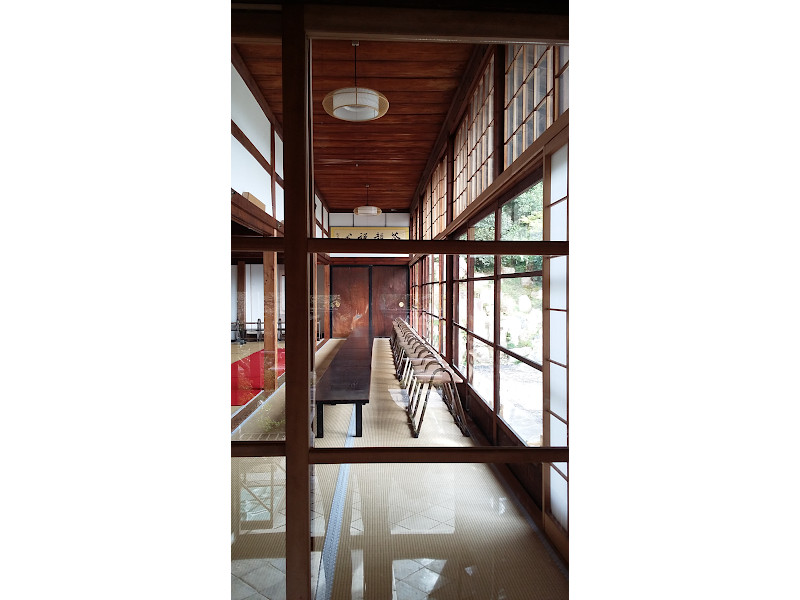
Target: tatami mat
398,531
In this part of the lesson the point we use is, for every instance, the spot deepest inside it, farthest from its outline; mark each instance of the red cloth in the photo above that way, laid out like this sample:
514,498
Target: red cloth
247,376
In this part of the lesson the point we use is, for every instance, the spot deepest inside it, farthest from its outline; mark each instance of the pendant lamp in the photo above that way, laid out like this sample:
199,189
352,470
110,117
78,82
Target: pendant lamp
367,210
355,103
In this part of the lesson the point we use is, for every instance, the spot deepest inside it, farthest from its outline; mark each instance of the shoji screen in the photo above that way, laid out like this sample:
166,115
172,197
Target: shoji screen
556,348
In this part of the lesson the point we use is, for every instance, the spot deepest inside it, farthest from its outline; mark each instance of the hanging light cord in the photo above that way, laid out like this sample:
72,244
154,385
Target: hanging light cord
355,72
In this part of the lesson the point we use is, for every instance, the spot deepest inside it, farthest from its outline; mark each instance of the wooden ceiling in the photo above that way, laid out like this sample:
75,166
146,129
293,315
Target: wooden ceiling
389,154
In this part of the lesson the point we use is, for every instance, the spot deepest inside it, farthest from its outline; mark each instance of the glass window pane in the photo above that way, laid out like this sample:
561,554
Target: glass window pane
509,121
484,229
558,221
558,174
540,120
521,316
521,218
278,155
484,266
558,336
258,507
558,497
558,437
558,390
563,55
462,266
462,351
563,92
530,58
461,316
521,399
482,371
558,282
540,86
529,132
279,202
483,311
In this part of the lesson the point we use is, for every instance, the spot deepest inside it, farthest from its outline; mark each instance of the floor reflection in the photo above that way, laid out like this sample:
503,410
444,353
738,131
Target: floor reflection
391,531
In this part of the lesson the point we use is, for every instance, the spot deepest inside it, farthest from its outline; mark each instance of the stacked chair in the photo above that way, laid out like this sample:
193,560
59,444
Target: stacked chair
419,368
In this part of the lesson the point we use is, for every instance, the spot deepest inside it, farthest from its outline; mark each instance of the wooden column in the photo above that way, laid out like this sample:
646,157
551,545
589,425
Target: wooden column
450,299
496,309
270,321
499,108
299,438
241,295
314,298
326,323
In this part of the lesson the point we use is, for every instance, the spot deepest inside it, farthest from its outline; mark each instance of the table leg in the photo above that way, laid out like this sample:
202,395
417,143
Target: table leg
320,421
358,419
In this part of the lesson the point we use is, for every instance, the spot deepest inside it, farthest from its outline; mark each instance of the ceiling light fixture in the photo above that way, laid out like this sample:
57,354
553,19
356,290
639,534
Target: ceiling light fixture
367,210
355,103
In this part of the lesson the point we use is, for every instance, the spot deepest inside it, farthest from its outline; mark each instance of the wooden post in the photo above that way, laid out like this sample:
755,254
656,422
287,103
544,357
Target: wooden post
326,326
241,295
499,109
270,322
295,65
497,310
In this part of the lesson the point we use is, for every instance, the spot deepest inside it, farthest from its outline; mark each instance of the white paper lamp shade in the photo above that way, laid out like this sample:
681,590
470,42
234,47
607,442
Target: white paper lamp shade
355,104
367,211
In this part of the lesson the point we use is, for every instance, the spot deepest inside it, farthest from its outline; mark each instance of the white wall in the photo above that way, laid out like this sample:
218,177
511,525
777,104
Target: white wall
247,175
248,116
382,220
254,285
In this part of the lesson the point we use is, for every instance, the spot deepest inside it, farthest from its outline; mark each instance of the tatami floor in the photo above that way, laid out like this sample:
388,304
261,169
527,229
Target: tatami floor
388,531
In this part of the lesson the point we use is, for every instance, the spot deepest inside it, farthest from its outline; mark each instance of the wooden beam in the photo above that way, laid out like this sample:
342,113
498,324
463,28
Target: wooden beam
255,26
250,147
422,24
257,244
241,449
369,260
550,248
417,454
437,454
251,216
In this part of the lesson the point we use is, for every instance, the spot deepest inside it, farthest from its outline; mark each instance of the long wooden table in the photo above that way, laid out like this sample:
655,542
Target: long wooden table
347,379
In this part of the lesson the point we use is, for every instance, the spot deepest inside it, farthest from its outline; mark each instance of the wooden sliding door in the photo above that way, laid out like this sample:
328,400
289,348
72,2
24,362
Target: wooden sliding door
389,297
349,299
368,297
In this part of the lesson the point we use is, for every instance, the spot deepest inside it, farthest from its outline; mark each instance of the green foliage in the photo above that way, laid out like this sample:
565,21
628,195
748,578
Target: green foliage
521,219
